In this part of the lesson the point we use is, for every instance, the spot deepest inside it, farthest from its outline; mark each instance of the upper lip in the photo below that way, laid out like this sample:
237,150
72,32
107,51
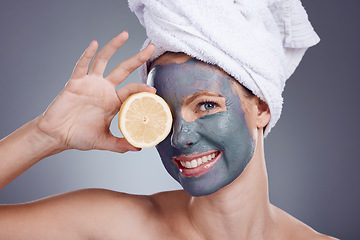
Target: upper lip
185,158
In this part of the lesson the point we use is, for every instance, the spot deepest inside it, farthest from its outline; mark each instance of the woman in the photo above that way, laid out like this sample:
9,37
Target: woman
215,117
239,210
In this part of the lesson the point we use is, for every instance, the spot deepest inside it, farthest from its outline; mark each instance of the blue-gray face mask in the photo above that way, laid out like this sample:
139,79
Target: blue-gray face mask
221,140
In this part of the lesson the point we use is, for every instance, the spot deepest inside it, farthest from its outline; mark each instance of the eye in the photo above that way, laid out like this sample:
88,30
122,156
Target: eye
205,106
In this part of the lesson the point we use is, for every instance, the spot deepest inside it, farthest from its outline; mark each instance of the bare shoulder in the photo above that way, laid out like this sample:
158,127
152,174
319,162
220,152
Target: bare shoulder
135,216
114,214
291,228
90,213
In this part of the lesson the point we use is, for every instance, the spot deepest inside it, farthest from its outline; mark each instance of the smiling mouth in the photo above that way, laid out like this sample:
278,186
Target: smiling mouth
196,165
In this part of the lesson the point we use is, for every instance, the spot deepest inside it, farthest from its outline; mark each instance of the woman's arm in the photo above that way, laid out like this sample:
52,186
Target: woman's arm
82,214
80,116
22,149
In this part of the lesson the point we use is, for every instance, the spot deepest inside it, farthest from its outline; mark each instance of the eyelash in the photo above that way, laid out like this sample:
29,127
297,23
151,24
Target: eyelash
200,104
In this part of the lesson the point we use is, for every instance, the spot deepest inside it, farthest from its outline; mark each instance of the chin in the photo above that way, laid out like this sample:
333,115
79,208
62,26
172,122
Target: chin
198,187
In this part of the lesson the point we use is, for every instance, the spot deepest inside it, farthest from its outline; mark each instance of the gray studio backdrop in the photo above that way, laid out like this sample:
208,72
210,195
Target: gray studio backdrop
312,153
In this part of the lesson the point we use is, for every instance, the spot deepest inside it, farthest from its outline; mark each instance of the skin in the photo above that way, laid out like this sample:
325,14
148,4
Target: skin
79,118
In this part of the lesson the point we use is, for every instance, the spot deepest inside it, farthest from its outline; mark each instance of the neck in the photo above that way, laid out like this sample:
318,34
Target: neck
240,210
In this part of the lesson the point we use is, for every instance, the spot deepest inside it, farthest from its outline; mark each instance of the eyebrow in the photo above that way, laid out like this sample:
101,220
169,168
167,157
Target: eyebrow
199,94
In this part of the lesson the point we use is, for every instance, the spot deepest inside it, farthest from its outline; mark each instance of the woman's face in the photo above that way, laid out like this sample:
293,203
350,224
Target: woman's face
210,143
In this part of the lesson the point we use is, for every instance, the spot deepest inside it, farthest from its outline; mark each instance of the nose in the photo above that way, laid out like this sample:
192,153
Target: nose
184,134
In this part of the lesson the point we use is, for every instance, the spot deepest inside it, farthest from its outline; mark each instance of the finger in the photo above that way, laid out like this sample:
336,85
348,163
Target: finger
82,64
123,70
102,57
115,144
125,92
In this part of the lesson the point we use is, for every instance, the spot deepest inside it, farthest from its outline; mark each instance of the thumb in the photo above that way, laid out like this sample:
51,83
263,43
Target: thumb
115,144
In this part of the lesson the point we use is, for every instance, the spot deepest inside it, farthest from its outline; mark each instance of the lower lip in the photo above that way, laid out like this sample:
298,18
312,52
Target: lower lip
200,170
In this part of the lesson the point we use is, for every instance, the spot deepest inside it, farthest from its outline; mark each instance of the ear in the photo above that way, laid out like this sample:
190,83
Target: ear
263,114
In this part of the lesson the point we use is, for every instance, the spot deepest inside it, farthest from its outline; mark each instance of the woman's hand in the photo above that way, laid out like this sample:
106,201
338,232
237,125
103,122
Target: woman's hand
80,116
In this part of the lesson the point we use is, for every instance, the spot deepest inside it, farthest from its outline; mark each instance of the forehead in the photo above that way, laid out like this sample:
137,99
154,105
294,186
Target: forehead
188,76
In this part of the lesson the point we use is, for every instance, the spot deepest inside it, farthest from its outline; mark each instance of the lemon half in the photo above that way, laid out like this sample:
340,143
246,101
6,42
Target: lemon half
145,119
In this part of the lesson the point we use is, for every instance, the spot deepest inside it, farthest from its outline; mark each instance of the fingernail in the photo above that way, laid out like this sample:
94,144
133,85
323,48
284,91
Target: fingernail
151,87
92,42
125,32
151,44
136,150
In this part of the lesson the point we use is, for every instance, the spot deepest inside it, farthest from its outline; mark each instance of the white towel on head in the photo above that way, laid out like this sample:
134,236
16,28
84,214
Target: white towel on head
258,42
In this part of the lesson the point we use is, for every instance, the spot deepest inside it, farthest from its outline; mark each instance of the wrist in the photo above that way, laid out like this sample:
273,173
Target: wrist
41,139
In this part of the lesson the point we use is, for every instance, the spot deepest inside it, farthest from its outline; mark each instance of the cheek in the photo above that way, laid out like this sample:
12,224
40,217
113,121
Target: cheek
240,144
166,152
222,129
237,130
164,148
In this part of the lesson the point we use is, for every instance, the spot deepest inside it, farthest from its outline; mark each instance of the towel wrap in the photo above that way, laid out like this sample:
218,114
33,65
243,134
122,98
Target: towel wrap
258,42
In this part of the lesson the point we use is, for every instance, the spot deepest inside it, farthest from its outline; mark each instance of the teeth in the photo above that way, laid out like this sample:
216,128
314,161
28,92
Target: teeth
197,162
193,163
